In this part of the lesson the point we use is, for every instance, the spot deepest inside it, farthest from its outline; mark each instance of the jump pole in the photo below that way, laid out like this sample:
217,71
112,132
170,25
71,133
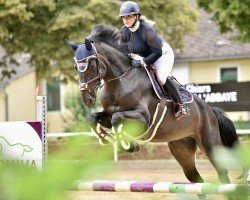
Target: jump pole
159,187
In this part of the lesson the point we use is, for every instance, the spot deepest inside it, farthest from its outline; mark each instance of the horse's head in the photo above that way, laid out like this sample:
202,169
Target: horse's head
109,63
89,69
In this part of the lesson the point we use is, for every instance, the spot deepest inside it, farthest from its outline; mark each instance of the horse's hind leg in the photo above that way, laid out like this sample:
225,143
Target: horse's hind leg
208,143
184,151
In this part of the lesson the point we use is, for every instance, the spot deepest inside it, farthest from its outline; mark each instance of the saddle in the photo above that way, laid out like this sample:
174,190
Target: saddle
159,91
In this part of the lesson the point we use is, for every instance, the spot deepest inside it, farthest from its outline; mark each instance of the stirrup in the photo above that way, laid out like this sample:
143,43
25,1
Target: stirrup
182,111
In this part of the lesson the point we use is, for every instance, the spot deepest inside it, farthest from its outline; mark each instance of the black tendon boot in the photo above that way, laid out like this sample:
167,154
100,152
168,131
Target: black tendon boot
171,88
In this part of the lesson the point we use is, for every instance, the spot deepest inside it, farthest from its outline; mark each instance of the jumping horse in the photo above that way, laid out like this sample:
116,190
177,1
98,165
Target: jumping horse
127,95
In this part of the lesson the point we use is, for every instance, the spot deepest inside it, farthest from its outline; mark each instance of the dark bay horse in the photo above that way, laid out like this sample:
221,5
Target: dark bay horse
127,94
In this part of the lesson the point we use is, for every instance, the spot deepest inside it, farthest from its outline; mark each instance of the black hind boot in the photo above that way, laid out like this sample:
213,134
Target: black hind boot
171,88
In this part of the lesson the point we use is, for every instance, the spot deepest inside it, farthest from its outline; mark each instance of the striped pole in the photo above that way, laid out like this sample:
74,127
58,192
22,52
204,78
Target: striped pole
160,187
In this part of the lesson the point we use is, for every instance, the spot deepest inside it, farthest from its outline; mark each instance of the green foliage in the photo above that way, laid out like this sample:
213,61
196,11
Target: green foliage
237,159
134,128
40,27
231,16
20,182
242,124
75,120
73,103
174,18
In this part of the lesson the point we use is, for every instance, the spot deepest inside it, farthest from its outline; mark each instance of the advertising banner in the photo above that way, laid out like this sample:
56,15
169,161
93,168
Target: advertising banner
230,96
21,144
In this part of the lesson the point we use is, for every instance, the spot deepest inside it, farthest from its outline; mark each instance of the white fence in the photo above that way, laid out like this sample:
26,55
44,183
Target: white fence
55,135
243,131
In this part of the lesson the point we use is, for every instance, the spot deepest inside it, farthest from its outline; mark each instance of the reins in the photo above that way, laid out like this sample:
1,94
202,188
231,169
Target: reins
112,79
116,78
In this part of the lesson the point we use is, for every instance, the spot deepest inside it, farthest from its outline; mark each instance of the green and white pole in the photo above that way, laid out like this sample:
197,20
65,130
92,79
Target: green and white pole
160,187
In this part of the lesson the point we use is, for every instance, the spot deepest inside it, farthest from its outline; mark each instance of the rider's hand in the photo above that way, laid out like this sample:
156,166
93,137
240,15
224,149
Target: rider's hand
136,63
130,56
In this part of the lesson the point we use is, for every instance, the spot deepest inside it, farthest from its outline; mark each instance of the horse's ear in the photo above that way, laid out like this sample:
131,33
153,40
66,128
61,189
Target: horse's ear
88,44
71,44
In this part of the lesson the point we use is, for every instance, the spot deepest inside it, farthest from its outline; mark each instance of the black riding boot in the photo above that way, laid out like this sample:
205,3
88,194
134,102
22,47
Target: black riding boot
171,88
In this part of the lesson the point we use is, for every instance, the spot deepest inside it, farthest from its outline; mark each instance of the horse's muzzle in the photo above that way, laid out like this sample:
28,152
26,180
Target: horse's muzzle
91,103
88,99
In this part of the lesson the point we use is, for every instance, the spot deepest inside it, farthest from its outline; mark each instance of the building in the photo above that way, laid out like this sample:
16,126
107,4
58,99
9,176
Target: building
211,58
17,94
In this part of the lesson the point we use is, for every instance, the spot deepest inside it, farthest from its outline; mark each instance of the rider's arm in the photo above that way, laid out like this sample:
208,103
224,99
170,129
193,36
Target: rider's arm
155,44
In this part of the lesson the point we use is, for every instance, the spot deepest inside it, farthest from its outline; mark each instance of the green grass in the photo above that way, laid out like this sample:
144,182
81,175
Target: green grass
242,124
79,127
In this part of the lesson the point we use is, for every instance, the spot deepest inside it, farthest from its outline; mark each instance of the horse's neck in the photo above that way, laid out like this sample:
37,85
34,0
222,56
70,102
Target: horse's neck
115,62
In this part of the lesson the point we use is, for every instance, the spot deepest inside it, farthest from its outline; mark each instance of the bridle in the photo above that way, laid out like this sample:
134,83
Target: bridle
83,67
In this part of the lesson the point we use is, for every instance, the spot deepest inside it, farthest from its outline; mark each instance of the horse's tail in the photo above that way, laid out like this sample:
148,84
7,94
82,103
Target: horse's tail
227,129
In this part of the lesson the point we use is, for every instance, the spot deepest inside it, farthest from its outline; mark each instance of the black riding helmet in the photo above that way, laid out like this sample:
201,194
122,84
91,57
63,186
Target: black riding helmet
129,8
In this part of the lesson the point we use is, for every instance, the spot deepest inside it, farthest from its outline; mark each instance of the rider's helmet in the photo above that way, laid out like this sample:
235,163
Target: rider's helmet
129,8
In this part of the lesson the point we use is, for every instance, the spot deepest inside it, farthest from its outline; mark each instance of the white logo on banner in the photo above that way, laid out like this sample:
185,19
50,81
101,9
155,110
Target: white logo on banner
20,144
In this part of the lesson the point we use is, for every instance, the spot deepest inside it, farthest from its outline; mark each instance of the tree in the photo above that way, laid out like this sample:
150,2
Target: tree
40,27
231,16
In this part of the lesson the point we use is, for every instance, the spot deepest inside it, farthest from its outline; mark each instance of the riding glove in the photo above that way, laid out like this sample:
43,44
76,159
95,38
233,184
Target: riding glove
136,63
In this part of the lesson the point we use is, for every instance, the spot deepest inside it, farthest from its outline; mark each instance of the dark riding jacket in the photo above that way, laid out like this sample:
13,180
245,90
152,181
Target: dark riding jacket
144,42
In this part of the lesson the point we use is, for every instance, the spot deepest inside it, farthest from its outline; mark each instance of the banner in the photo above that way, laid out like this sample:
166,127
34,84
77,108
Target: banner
21,144
230,96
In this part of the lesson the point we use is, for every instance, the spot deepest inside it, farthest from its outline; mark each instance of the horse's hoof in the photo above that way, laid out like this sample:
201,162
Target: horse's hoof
134,147
137,147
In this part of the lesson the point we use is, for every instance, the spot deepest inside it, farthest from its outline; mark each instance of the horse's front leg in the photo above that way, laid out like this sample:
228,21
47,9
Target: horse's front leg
132,121
98,122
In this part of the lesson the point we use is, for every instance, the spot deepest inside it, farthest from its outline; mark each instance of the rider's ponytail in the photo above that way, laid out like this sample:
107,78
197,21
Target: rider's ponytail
148,21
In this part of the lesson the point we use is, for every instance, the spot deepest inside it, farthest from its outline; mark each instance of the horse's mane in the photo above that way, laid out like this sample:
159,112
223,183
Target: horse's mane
110,36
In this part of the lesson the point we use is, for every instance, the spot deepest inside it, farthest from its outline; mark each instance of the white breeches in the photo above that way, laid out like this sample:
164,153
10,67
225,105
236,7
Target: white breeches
164,64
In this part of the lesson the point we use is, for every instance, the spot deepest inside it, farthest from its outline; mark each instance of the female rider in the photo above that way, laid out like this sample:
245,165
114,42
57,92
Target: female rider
147,48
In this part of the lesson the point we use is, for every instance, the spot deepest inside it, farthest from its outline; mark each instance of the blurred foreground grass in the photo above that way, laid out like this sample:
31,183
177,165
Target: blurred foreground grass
61,171
238,159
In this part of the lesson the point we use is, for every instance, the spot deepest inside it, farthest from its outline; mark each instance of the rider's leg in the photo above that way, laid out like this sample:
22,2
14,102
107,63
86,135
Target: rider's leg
164,67
173,90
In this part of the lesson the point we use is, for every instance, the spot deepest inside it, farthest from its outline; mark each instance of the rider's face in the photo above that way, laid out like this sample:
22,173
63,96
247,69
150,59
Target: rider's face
129,20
